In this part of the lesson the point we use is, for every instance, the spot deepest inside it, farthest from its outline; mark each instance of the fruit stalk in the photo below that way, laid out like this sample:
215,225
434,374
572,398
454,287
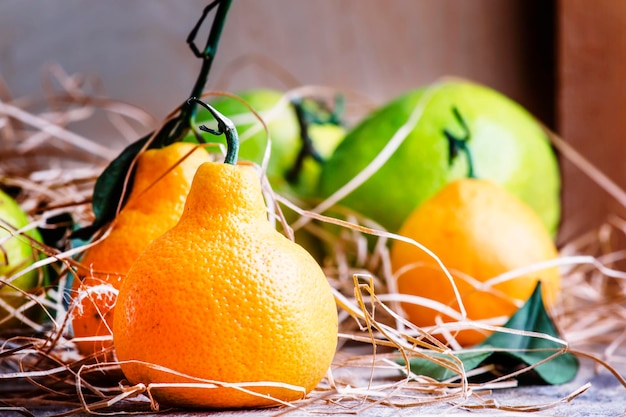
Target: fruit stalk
207,55
460,144
110,191
224,126
306,117
307,143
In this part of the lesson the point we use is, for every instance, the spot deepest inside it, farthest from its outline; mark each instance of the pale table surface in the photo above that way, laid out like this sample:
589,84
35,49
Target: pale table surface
605,397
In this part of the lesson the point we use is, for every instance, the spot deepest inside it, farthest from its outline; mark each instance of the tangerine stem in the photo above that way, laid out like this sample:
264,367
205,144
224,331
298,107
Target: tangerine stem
308,148
315,113
113,185
207,55
460,144
224,126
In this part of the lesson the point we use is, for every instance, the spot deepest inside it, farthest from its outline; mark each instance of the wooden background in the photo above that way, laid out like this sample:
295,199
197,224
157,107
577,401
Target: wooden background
591,103
563,60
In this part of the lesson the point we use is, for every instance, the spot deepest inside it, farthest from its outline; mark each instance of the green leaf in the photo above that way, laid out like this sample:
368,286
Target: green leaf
428,367
510,350
109,188
532,316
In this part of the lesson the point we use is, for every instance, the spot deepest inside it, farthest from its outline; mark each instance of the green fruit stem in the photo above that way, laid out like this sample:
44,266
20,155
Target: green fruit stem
307,116
207,55
308,149
224,126
109,191
457,144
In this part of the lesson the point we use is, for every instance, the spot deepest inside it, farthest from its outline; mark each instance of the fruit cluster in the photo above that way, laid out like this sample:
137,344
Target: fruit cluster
205,290
456,166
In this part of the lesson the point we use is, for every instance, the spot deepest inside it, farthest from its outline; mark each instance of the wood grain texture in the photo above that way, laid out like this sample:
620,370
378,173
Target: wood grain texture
591,103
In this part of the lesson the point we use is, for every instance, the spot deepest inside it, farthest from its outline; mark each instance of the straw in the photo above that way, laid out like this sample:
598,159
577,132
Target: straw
374,337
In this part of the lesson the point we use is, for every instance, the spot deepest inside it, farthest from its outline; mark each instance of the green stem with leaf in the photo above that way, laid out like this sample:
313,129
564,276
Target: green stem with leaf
110,186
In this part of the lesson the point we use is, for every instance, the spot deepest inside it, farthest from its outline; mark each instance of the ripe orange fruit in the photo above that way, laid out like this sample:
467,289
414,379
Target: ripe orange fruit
224,298
478,230
154,206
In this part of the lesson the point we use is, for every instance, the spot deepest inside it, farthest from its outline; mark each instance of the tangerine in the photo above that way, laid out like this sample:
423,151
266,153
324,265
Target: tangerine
479,231
223,298
161,183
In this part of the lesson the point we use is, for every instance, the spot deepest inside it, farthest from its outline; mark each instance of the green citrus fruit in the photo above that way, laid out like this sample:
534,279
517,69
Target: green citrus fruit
284,129
16,254
461,122
325,139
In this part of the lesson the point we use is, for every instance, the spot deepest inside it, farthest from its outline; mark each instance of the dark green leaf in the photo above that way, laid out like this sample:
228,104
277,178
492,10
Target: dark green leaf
109,187
532,316
427,367
513,349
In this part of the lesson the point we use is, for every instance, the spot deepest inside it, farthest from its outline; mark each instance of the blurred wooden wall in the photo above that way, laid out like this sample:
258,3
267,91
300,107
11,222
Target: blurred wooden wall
562,59
381,48
377,48
591,103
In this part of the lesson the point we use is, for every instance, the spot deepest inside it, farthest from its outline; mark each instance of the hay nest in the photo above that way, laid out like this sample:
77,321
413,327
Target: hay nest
51,169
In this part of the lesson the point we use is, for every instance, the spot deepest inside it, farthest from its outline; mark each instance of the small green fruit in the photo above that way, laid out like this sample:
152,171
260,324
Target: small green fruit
462,122
16,254
325,139
284,129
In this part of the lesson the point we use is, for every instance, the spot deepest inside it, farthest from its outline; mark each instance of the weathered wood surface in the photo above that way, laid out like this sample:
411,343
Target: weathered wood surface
591,102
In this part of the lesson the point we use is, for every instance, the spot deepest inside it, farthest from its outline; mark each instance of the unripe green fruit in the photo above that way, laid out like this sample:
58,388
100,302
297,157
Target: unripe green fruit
284,129
16,254
503,141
